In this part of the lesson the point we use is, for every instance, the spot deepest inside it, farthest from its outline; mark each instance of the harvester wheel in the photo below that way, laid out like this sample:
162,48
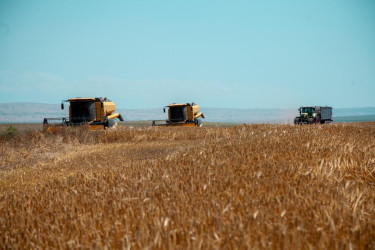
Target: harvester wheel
110,123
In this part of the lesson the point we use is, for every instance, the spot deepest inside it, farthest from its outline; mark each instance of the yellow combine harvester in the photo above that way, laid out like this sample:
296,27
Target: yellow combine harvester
96,112
181,114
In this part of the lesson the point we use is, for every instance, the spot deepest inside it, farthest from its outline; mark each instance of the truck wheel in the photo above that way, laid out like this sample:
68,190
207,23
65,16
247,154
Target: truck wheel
317,120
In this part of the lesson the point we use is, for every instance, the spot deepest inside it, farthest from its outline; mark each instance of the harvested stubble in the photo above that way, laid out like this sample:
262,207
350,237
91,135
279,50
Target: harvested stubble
256,186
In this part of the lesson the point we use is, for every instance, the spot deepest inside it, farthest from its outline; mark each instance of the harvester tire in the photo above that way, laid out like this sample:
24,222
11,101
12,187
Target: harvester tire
110,123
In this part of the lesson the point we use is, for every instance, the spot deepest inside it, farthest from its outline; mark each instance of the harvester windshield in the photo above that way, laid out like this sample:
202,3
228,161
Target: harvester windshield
177,113
82,111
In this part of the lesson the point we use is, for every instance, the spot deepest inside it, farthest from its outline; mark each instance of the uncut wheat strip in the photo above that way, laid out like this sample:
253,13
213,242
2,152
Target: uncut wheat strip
84,158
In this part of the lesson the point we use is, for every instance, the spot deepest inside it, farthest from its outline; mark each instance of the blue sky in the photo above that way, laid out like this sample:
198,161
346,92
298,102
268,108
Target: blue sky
144,54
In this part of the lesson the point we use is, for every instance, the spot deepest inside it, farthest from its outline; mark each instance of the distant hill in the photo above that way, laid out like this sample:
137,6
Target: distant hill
29,112
217,115
355,118
35,112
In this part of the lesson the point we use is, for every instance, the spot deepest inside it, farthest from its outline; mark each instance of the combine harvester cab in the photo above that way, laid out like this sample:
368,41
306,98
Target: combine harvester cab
181,114
314,115
97,112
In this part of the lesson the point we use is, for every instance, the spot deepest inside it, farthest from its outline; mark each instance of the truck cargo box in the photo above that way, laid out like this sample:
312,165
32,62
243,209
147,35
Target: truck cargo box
326,113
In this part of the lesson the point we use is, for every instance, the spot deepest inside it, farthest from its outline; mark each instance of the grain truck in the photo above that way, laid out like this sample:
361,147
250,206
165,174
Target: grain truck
314,115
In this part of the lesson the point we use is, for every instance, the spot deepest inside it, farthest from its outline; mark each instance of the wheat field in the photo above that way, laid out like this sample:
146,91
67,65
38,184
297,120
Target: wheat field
249,187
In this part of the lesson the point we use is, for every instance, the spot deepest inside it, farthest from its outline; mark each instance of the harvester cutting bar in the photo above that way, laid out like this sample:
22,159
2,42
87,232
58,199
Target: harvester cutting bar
61,121
159,123
176,124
